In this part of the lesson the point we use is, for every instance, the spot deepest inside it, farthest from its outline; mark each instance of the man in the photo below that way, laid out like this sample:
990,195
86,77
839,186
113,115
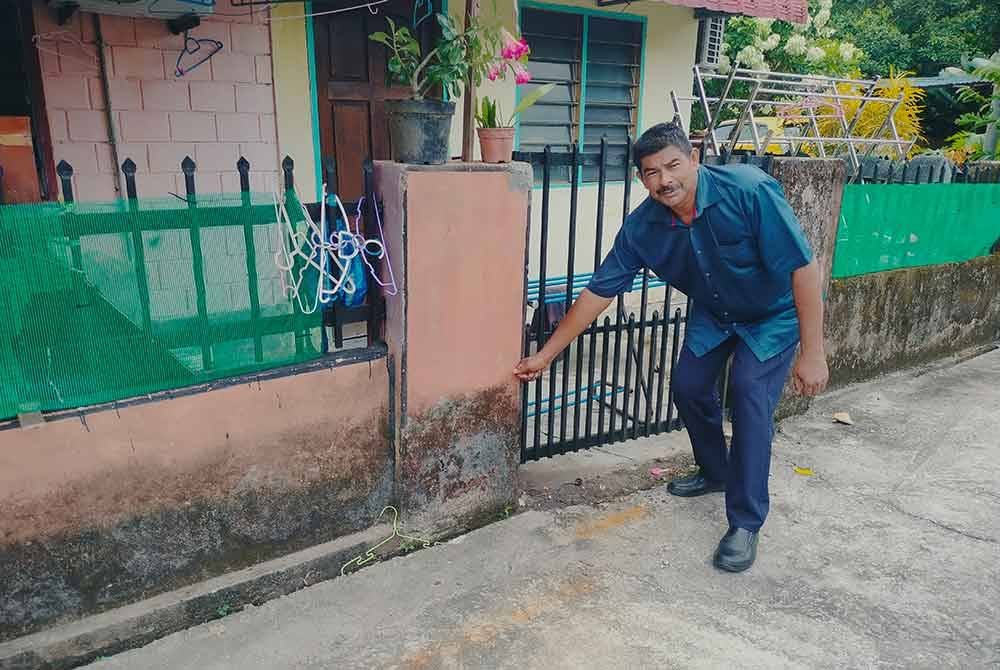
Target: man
726,238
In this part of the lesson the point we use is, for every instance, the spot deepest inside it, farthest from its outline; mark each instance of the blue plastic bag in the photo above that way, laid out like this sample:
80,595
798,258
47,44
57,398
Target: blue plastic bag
355,267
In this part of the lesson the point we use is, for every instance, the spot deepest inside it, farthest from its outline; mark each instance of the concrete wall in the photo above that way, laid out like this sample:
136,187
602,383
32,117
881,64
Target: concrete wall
216,113
115,505
881,322
457,234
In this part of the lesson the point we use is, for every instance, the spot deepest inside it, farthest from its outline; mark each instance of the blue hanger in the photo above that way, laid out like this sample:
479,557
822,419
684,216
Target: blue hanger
425,6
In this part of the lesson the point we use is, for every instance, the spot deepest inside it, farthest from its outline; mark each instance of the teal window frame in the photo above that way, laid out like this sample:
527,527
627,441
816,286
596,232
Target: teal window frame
586,15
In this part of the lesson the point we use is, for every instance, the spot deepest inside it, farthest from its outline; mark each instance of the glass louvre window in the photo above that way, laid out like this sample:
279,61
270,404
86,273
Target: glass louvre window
597,85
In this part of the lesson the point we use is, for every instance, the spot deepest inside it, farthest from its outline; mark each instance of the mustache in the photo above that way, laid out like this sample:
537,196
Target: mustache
668,190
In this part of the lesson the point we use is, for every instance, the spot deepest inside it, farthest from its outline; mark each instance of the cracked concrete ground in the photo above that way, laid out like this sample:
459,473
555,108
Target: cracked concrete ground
887,557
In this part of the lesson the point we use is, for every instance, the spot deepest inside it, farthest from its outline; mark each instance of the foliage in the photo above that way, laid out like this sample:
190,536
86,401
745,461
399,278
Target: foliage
818,47
978,137
811,48
919,35
490,116
769,45
458,55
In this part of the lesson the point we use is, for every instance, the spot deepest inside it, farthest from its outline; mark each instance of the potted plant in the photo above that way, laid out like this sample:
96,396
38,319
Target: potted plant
496,134
419,127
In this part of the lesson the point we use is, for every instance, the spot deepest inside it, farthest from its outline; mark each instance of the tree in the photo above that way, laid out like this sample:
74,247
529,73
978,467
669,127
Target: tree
923,36
980,130
811,48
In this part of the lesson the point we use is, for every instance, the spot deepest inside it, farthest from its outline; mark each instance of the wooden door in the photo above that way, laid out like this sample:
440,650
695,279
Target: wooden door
353,85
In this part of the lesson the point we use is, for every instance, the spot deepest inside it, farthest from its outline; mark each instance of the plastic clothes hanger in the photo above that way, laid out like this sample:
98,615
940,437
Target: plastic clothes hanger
202,49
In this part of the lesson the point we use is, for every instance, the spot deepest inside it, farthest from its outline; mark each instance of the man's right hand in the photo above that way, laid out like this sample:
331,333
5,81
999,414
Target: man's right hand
586,308
531,367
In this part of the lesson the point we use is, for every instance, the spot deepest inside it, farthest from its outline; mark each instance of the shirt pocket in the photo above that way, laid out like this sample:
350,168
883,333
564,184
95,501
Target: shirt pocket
740,254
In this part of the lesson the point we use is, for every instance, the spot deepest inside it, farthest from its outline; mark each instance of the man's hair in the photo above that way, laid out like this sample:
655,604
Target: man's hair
658,138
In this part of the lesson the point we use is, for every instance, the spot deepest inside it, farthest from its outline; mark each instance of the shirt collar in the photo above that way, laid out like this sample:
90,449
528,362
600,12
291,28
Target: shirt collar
708,191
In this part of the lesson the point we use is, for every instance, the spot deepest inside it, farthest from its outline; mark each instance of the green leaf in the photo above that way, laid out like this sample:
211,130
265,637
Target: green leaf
381,38
533,97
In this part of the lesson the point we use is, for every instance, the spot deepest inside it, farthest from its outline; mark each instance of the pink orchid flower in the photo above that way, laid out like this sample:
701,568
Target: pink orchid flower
521,74
496,71
513,48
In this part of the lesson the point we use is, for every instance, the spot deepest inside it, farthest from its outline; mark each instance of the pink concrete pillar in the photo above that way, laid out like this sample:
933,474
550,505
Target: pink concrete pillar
457,235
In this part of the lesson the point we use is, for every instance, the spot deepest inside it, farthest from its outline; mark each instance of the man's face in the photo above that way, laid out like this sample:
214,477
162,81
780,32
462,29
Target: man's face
671,176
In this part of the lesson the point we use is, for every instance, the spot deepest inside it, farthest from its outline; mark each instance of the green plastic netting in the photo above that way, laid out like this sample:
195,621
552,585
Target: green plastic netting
107,301
887,227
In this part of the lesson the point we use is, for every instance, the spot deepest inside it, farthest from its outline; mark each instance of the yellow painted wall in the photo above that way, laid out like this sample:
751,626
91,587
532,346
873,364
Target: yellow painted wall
293,93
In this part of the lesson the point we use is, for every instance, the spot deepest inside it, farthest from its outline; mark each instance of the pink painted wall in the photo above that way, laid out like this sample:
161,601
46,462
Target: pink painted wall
215,114
457,236
464,294
282,434
107,509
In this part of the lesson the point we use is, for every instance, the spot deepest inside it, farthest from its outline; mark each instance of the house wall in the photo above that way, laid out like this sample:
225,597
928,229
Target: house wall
114,505
668,56
294,84
216,113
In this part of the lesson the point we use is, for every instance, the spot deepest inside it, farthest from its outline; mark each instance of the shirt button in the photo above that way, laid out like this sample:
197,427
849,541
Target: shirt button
726,314
708,275
716,296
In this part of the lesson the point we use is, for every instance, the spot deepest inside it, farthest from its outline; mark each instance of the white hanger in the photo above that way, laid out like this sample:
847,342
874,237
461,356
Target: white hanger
311,248
64,36
372,9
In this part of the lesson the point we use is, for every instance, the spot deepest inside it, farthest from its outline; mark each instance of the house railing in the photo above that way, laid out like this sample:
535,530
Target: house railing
112,300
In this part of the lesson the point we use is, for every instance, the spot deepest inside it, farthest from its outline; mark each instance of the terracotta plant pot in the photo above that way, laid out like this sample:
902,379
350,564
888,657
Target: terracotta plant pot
496,144
419,130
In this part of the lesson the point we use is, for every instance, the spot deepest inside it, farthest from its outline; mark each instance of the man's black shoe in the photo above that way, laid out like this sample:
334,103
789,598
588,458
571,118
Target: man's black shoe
694,485
737,550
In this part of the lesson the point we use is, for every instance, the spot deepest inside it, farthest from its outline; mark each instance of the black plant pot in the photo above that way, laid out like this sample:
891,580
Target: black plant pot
419,130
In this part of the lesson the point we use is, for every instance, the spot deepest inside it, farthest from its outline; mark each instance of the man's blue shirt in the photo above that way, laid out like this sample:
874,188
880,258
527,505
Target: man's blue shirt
735,260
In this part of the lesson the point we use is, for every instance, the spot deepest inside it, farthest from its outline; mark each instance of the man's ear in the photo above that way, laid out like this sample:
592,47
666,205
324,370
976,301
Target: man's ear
695,155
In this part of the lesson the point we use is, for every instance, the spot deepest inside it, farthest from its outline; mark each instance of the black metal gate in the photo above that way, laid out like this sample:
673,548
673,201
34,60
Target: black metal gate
613,383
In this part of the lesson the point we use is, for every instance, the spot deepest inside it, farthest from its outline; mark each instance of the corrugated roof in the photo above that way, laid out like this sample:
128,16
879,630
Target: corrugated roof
795,11
946,79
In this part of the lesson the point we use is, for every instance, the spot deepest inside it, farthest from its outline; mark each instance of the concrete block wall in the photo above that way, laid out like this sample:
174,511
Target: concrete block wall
223,109
150,497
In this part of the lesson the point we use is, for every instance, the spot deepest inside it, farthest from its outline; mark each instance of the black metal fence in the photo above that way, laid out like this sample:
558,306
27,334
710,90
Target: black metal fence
922,170
613,383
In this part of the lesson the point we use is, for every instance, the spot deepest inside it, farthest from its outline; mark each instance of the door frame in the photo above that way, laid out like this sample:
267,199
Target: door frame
323,129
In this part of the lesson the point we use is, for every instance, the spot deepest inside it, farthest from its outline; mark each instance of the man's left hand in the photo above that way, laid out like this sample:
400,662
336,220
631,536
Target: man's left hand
810,375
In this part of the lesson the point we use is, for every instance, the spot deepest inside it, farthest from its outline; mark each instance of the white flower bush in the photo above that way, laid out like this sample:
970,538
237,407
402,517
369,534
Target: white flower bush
796,45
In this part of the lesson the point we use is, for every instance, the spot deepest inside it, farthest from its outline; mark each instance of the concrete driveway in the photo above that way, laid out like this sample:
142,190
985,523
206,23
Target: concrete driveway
887,556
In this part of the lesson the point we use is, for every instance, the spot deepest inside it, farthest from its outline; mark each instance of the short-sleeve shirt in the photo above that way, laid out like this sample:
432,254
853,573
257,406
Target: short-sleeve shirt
735,260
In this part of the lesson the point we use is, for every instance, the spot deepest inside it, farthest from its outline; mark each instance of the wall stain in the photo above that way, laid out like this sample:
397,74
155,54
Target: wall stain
886,321
463,449
294,458
141,529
